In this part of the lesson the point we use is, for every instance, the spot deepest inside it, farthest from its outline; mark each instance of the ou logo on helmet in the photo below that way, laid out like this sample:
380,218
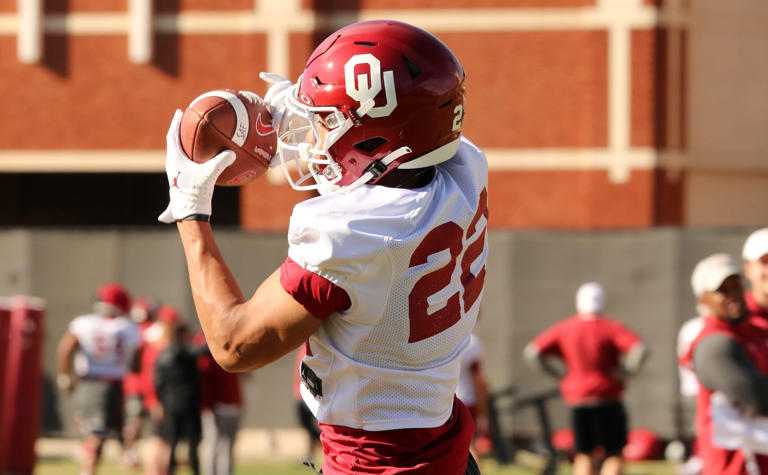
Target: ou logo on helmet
363,89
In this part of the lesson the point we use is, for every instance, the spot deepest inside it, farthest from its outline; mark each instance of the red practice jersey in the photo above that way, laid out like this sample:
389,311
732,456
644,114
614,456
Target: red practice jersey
590,348
718,460
754,308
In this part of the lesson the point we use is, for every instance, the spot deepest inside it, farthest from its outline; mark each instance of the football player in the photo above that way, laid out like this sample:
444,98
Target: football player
730,361
103,344
473,392
598,355
385,269
143,313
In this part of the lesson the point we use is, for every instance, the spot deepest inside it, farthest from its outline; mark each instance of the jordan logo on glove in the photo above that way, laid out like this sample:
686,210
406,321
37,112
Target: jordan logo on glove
175,183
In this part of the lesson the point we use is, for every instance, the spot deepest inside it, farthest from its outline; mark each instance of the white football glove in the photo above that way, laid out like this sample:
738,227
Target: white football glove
190,184
279,89
275,98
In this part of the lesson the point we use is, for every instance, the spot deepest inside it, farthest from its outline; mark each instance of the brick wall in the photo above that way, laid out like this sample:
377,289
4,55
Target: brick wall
578,104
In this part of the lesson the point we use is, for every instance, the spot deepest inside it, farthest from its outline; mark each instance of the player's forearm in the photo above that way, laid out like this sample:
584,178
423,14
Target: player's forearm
62,362
635,358
481,388
62,365
539,362
241,334
64,352
214,289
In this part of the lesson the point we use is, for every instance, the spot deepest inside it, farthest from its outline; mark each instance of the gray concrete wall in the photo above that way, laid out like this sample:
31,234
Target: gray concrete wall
531,280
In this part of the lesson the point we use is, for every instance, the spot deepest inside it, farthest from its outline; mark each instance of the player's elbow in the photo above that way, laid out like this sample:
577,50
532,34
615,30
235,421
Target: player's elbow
236,357
230,359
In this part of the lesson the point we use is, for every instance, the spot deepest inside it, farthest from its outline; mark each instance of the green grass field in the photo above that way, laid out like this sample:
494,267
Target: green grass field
488,467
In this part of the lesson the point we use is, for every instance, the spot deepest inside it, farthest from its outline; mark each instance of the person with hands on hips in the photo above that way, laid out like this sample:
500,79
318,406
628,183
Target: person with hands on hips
592,380
385,269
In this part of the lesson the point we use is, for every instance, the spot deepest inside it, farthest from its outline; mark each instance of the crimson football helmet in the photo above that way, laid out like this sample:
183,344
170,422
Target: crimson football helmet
168,314
112,299
374,96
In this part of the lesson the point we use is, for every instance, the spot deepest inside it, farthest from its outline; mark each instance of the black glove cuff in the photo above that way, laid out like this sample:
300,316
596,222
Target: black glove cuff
197,217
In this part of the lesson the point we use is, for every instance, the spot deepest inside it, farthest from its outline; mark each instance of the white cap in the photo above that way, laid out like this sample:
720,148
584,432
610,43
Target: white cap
756,245
710,273
590,298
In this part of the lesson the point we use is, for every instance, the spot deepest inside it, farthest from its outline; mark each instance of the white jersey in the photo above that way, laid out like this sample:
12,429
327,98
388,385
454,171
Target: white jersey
733,429
466,389
413,264
106,345
689,383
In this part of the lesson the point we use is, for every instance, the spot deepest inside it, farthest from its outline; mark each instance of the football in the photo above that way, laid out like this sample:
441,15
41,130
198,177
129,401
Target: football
226,119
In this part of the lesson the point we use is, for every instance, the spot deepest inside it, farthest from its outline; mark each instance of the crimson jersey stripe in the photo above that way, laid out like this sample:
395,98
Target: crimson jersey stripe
315,293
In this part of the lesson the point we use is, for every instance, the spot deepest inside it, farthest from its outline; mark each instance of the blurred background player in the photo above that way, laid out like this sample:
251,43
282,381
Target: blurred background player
755,255
473,392
730,358
592,383
222,409
399,229
143,313
689,384
104,345
157,337
177,383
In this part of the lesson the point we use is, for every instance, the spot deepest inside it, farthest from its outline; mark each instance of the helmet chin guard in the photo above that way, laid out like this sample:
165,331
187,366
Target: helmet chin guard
305,134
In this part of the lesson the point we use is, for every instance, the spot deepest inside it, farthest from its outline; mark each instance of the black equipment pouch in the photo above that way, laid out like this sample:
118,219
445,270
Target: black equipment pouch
311,381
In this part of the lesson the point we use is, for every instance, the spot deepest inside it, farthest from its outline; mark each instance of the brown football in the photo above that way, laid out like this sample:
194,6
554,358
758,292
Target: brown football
225,119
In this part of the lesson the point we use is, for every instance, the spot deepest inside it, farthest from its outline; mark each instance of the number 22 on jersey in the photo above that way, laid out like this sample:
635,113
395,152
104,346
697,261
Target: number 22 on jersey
447,236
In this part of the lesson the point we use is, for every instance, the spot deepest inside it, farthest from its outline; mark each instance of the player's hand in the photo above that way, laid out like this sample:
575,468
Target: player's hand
620,375
743,411
279,89
190,184
65,383
156,413
276,99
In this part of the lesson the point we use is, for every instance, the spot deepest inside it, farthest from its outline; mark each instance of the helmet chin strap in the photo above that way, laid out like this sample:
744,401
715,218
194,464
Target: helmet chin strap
377,168
438,155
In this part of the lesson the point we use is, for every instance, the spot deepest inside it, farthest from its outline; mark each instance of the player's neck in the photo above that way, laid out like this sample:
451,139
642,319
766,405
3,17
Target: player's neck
414,178
589,316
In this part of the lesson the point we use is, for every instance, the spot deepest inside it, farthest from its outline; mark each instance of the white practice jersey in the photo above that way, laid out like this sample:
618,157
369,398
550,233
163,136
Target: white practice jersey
466,389
689,383
106,345
413,264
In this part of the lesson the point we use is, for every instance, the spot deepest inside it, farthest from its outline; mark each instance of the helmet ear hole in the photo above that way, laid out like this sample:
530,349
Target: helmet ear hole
371,144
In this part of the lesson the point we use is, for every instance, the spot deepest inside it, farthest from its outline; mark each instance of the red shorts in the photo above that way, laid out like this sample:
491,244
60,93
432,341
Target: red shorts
442,449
